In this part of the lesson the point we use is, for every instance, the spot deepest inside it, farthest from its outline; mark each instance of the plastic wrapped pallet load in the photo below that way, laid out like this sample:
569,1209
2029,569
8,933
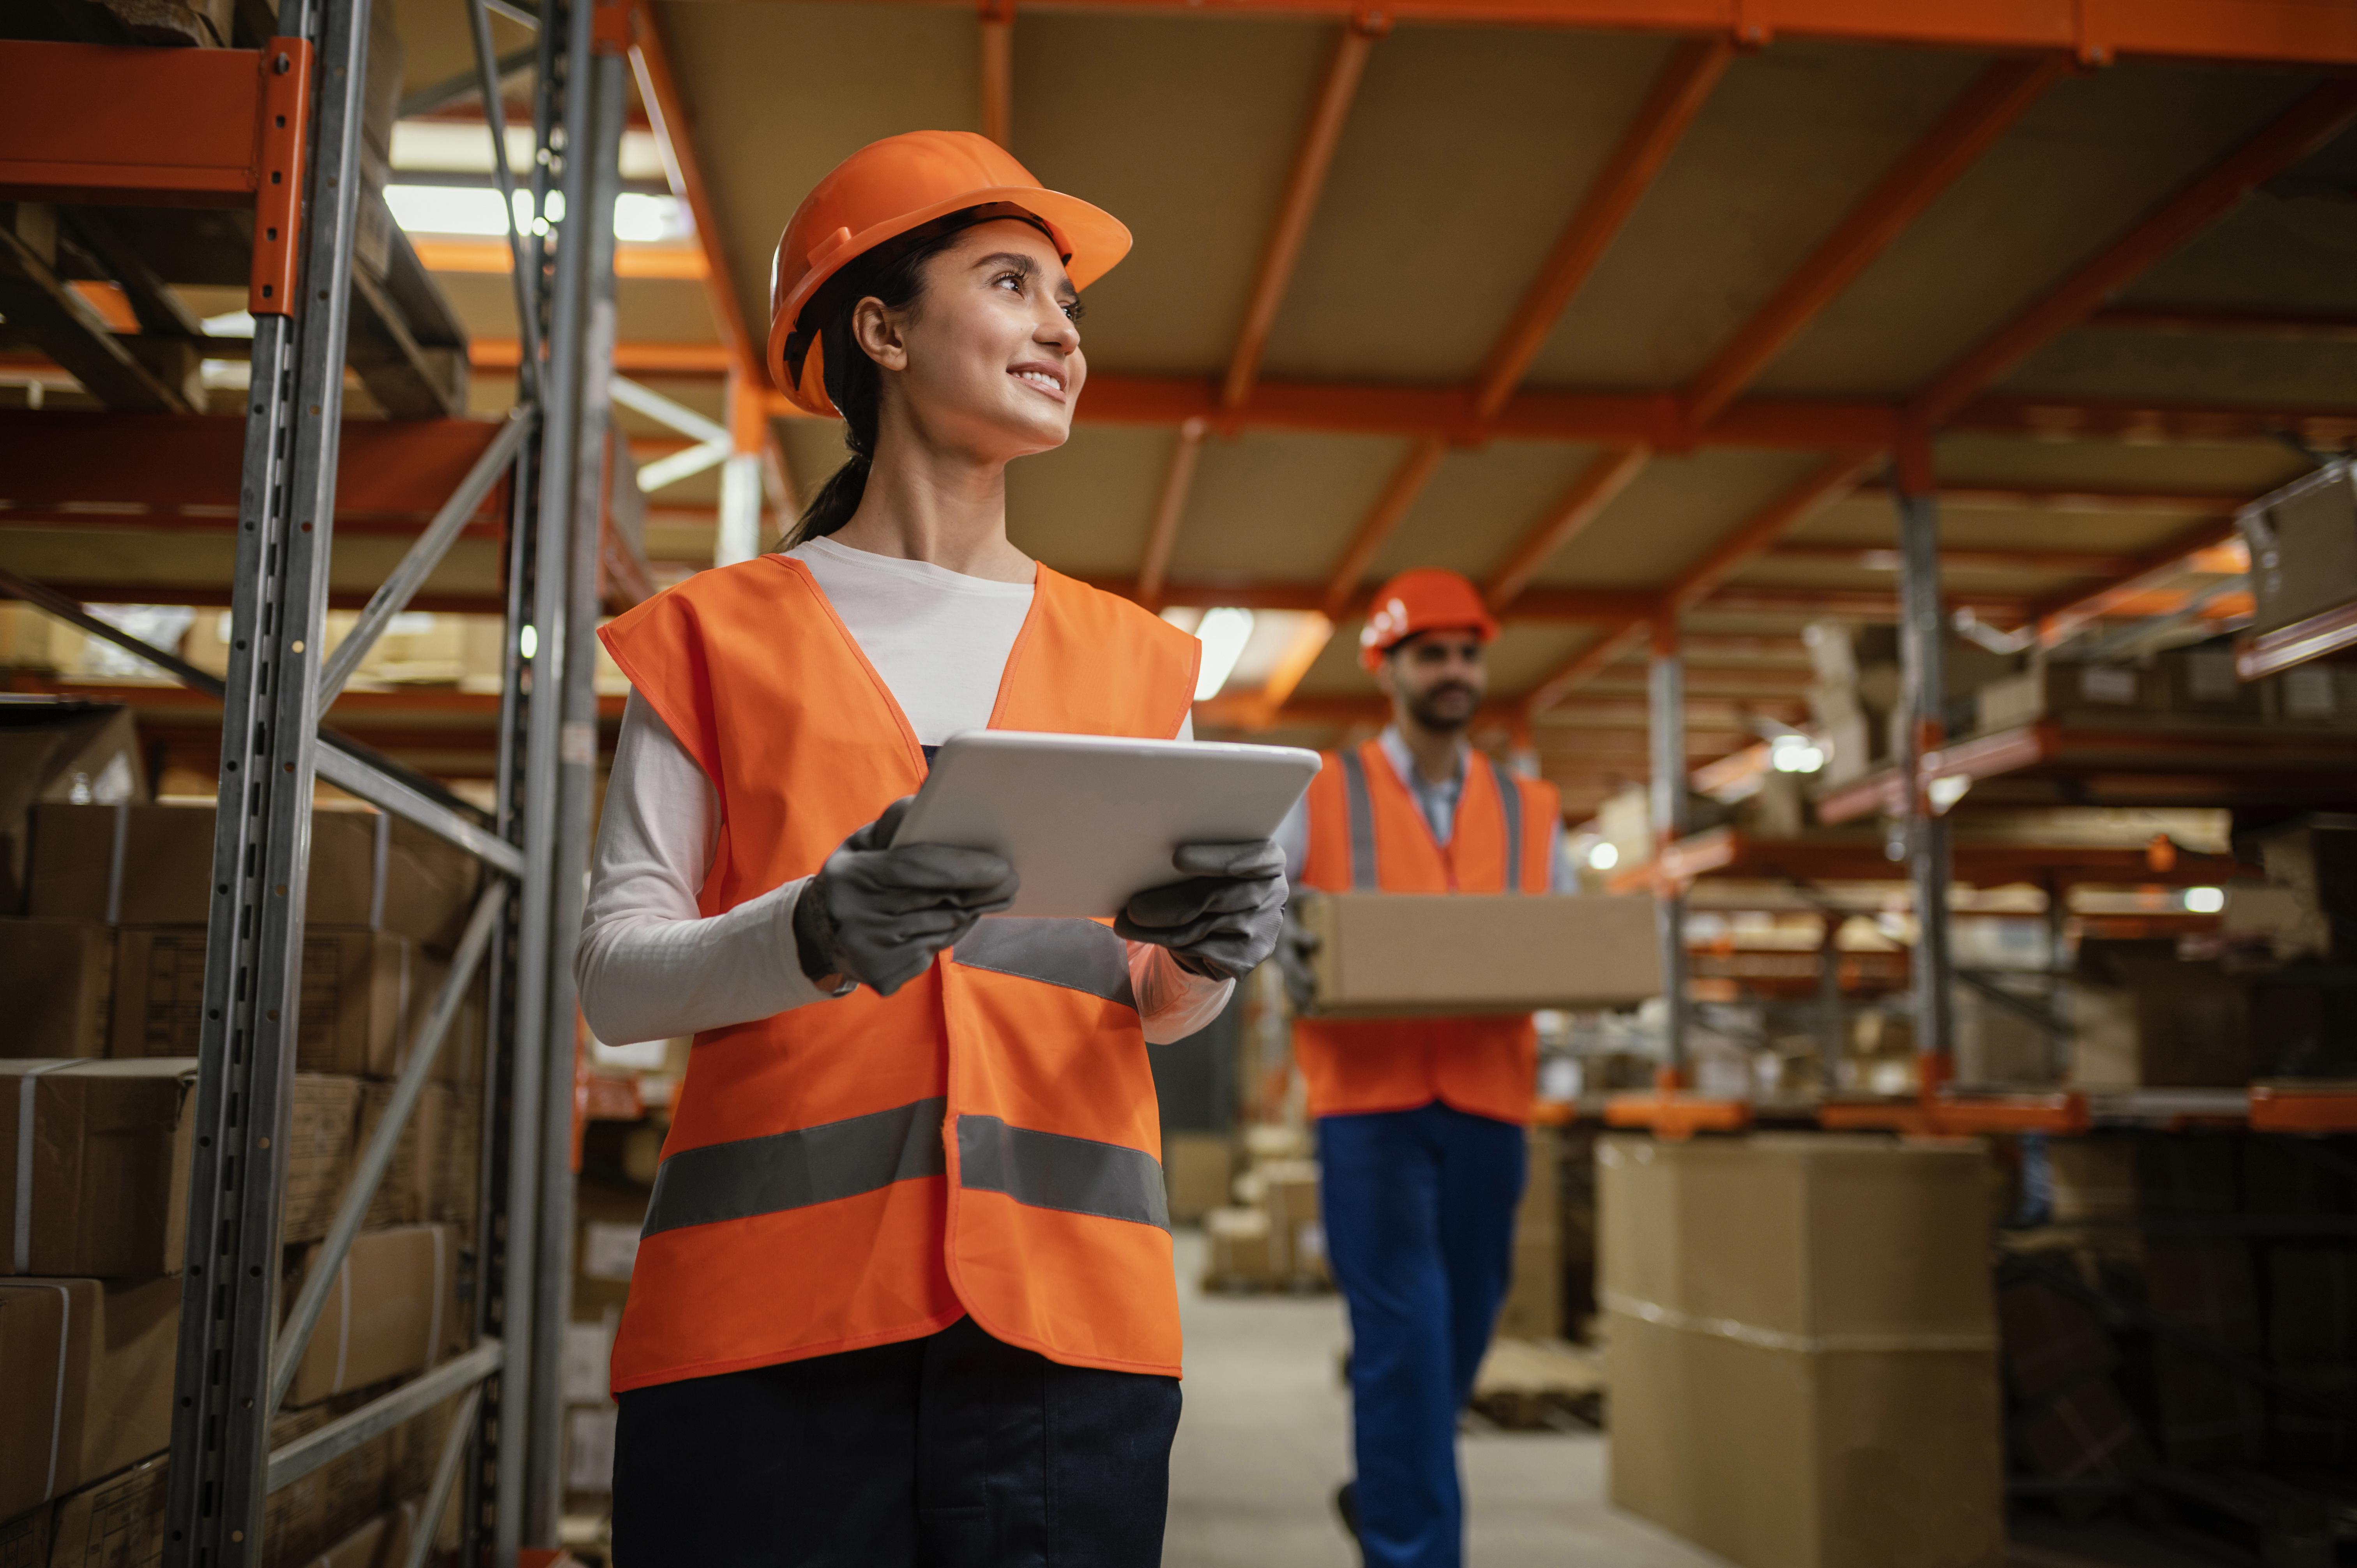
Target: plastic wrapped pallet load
1803,1348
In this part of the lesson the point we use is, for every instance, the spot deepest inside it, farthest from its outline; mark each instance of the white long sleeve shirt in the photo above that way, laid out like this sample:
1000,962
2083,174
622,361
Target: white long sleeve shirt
651,966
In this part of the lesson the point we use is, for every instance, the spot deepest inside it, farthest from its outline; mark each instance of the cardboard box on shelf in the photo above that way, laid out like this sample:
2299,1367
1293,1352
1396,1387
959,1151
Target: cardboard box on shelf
2087,692
119,1522
1237,1250
2316,860
1997,1044
2303,546
1197,1167
419,1178
152,865
63,751
87,1368
364,995
94,1166
1802,1348
302,1520
611,1217
1296,1234
1393,955
2147,1019
2095,1179
59,978
2202,679
1534,1307
320,1149
24,1540
394,1311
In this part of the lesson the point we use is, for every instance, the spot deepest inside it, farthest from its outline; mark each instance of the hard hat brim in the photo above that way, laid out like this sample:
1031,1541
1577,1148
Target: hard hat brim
1371,654
1092,240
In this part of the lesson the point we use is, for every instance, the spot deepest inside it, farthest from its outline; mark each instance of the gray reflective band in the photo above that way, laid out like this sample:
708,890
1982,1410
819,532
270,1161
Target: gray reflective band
796,1169
1048,1170
1509,800
1360,808
1079,955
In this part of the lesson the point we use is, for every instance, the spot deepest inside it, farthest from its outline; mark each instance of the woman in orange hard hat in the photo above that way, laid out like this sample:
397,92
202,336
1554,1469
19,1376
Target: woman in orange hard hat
904,1294
1420,1139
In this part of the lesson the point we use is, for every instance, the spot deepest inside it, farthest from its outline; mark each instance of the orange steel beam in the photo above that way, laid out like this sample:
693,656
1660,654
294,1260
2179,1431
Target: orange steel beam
1162,535
1302,188
2060,498
2284,32
1999,97
2320,115
998,52
683,361
130,126
1885,558
1677,95
2153,424
1391,508
466,254
2058,621
1590,493
667,111
2211,321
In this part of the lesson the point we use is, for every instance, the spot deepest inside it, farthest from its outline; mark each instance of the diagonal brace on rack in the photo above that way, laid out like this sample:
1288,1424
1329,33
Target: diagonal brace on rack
339,1437
424,556
446,1475
324,1266
343,761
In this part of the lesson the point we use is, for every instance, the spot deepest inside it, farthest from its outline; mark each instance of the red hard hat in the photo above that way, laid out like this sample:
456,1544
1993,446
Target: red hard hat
886,189
1426,599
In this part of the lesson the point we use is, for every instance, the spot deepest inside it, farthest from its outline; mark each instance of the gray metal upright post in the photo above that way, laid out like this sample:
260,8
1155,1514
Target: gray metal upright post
599,159
1666,718
253,948
1922,627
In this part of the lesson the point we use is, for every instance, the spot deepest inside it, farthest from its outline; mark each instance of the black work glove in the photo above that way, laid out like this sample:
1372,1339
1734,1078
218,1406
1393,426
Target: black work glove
1295,950
877,915
1224,919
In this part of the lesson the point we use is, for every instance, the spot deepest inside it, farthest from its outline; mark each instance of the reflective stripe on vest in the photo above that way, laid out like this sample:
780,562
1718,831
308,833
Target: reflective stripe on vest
1079,955
1510,799
1360,808
843,1159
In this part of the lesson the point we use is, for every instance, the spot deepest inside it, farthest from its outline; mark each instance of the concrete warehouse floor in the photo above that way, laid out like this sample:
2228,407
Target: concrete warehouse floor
1266,1437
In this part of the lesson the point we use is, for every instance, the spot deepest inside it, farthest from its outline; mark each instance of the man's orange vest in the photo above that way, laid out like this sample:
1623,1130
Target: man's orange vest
1366,832
982,1142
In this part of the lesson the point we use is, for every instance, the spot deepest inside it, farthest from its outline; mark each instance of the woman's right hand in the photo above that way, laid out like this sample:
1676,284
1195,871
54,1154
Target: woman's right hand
877,915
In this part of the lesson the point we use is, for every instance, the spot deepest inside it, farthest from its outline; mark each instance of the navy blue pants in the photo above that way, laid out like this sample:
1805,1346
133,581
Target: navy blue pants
1419,1209
953,1451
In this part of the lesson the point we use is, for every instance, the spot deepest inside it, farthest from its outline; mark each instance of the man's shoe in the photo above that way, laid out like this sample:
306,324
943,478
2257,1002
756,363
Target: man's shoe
1346,1505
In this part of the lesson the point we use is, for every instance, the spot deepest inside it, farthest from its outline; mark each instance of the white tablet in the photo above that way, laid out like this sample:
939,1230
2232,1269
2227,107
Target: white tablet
1088,820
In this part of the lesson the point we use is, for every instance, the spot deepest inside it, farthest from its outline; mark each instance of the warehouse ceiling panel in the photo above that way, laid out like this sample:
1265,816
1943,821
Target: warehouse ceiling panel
2085,162
1279,506
2178,366
1084,508
1479,504
2249,468
1792,137
1670,516
1183,132
1466,152
2290,248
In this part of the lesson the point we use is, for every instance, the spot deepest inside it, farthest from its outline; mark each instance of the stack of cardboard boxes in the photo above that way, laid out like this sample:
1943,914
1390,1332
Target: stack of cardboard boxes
1274,1238
106,959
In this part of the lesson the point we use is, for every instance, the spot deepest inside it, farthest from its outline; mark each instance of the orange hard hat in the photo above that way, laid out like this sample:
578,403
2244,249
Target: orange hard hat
886,189
1426,599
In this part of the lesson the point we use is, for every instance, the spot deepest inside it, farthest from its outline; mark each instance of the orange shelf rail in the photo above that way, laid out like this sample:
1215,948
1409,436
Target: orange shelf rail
2304,1107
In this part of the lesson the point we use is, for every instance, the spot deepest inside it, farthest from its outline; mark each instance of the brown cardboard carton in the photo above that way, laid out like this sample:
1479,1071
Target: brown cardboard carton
1237,1249
108,1164
59,978
606,1246
63,751
419,1172
88,1367
363,1548
2303,545
391,1313
320,1150
1396,955
1802,1348
24,1540
1296,1239
152,865
118,1523
2086,693
363,994
2148,1019
308,1517
2095,1179
1197,1167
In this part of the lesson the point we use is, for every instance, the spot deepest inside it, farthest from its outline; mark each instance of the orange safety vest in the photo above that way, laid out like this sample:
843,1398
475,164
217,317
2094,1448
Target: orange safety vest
1366,832
982,1142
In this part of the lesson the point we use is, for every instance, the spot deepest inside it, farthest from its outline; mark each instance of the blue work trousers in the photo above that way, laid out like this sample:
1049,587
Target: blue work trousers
1419,1209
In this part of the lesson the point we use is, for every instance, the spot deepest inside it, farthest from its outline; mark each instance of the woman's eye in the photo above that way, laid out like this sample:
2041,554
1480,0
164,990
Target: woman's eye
1072,310
1013,281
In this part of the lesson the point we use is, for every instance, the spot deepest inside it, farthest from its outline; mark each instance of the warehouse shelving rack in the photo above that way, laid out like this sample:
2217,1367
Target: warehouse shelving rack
276,130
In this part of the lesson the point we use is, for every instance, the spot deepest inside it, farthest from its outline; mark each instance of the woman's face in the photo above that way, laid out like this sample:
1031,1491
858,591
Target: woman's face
989,358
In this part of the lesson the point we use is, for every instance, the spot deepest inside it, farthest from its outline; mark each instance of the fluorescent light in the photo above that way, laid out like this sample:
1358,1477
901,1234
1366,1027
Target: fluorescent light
1223,633
2205,900
1795,753
475,209
1604,857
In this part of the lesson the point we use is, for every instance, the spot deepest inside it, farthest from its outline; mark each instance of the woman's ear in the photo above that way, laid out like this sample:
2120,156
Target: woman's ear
877,330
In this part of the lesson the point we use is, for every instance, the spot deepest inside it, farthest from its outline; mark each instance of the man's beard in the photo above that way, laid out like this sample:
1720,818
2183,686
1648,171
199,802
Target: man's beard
1424,707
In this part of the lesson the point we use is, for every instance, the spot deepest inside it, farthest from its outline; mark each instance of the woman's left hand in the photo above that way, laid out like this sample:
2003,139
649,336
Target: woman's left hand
1224,919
